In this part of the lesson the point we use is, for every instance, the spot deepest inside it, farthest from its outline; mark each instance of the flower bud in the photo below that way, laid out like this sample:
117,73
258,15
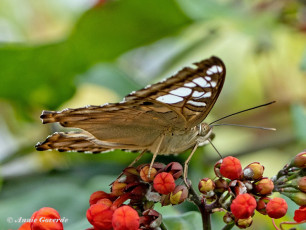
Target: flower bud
301,183
130,174
105,201
124,218
157,165
165,200
243,206
206,185
237,187
262,204
175,168
150,219
100,216
276,208
300,214
137,190
144,174
179,194
217,168
253,171
298,197
100,195
164,183
231,168
118,188
221,185
300,160
264,187
228,218
244,223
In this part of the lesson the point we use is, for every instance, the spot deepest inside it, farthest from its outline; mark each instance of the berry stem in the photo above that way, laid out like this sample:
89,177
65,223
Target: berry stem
228,226
163,226
205,212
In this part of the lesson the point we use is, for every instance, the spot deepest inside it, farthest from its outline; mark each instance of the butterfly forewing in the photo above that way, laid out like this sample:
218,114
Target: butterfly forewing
191,93
178,103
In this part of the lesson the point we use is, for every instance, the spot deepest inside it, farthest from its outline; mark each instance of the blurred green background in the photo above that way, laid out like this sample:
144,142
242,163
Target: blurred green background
67,53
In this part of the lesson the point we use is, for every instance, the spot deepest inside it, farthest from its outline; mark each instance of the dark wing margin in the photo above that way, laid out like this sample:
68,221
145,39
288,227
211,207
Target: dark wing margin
71,141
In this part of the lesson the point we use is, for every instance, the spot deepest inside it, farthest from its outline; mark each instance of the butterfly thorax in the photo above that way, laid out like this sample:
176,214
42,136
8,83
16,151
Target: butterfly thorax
177,141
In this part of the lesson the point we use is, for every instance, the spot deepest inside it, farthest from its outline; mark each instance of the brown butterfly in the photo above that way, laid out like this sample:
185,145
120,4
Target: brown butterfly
164,118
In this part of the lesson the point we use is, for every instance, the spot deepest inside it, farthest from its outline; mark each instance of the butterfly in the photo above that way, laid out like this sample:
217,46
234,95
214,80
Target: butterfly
163,118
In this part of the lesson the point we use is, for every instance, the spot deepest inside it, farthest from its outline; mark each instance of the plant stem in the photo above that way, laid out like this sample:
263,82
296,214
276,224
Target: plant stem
163,226
205,217
228,226
205,213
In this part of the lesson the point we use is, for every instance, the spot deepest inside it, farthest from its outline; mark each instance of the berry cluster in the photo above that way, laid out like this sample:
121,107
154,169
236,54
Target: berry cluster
238,192
131,201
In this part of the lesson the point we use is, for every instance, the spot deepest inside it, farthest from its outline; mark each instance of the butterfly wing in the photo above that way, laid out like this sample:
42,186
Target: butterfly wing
179,103
121,126
191,93
71,141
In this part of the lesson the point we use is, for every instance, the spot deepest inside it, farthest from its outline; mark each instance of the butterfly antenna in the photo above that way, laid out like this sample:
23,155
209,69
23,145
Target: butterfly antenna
243,111
215,148
247,126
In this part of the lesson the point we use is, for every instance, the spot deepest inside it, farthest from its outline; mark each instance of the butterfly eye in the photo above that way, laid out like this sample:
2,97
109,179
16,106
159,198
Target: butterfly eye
205,129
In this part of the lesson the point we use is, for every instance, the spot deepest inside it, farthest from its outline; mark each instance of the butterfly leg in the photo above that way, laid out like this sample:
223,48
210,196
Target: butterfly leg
186,164
137,158
133,162
155,155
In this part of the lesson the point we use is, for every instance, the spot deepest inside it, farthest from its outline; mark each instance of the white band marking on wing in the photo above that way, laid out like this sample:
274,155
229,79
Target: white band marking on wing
208,94
182,91
169,99
197,103
190,84
197,94
200,81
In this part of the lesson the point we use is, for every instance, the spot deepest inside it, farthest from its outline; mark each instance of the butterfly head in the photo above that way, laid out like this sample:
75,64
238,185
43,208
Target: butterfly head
205,133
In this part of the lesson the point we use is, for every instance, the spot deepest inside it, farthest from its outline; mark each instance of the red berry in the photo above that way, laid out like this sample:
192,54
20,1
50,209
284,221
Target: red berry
100,216
243,206
44,218
231,168
25,226
300,214
276,208
164,183
125,218
43,215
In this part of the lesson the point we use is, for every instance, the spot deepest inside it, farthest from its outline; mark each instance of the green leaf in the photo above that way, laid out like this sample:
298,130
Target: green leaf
186,221
44,75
